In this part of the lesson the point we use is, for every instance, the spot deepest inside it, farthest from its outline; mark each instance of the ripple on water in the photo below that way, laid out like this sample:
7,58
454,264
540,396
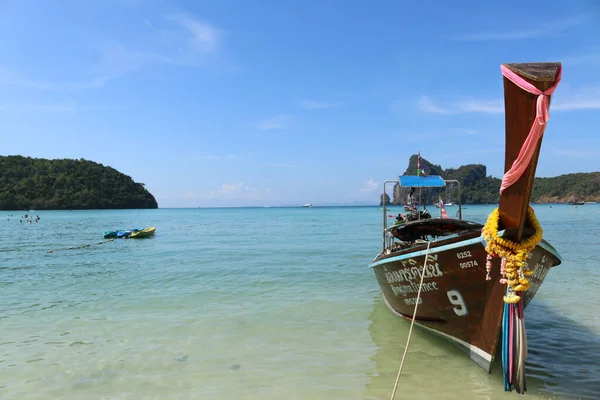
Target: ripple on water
270,304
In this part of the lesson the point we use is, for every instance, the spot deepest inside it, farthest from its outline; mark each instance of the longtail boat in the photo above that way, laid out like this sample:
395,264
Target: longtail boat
471,282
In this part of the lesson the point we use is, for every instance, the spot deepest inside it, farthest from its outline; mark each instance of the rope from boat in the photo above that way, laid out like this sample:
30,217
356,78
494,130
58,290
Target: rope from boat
412,323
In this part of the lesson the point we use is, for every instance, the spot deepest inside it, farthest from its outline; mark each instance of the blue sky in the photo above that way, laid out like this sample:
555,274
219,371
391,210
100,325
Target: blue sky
237,103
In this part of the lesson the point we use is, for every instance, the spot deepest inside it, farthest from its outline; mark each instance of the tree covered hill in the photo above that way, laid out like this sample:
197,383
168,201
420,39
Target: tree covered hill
40,184
567,188
478,188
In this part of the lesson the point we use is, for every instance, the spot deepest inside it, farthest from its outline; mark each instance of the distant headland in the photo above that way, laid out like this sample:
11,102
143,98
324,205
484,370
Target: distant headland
478,188
36,183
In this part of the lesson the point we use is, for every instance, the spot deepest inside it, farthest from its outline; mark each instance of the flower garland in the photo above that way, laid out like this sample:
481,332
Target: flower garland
514,255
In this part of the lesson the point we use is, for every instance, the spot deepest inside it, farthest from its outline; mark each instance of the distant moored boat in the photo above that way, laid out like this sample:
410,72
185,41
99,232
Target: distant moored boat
120,233
129,233
146,232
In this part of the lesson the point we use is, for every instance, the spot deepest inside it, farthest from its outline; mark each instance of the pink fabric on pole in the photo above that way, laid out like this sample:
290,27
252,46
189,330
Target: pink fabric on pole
537,129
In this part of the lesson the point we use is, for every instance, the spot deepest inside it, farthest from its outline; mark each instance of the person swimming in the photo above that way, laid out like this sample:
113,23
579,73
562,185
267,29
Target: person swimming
400,219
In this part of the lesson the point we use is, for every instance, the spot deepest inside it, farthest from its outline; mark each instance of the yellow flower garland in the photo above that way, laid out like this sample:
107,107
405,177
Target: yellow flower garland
516,254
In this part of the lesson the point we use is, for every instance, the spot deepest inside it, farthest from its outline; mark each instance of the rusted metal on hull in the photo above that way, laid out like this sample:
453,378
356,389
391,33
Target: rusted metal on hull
456,300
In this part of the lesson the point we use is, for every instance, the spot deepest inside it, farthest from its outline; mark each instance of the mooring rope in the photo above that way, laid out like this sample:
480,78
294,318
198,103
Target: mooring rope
412,323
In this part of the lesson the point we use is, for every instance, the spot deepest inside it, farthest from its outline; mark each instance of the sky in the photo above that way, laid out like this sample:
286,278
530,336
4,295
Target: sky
286,102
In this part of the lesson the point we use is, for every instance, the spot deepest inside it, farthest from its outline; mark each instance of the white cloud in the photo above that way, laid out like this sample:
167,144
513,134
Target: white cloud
11,78
549,28
577,104
277,165
462,106
567,100
469,131
482,106
582,59
226,188
112,60
272,123
369,186
205,37
314,105
578,153
191,195
427,105
572,100
215,157
68,107
235,191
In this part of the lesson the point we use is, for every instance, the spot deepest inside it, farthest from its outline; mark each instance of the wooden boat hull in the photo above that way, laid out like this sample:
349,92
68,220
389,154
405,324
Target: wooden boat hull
456,300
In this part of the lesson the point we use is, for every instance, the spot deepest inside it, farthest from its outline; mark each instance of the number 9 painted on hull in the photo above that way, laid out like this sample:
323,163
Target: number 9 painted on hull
456,299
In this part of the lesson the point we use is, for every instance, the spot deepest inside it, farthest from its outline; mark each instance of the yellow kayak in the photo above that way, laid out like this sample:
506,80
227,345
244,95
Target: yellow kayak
146,232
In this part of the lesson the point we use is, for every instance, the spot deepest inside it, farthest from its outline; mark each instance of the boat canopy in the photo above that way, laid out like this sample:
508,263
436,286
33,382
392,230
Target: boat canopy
422,181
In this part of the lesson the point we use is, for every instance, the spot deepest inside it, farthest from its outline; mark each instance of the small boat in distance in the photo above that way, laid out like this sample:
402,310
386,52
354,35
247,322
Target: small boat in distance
144,233
307,205
120,233
470,282
129,233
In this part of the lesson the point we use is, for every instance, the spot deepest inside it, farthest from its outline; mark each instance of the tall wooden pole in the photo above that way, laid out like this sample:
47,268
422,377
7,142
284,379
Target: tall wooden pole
520,108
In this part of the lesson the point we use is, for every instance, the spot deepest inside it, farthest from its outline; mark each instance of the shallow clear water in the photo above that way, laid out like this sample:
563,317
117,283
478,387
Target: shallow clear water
260,304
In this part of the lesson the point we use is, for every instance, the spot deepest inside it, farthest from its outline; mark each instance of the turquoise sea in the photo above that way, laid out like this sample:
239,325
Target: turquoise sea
261,303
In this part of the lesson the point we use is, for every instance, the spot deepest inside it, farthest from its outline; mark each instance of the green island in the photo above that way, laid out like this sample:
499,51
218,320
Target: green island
36,183
478,188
